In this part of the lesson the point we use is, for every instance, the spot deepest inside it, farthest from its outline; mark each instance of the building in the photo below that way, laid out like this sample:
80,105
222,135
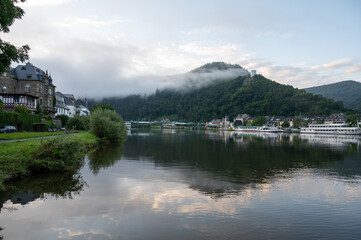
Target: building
82,108
61,107
241,119
66,104
358,117
276,121
336,118
253,73
70,103
28,86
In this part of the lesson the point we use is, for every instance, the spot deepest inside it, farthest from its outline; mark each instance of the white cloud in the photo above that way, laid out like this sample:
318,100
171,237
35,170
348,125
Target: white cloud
353,69
46,2
78,21
286,35
340,63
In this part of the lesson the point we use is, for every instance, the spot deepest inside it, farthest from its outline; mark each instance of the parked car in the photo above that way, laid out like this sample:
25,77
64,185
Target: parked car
8,129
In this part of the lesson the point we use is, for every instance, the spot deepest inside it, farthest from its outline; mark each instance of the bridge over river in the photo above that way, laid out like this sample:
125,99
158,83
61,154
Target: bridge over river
169,123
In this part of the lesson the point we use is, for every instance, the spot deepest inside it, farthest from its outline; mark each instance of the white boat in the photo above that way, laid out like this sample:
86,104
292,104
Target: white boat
128,125
334,128
264,129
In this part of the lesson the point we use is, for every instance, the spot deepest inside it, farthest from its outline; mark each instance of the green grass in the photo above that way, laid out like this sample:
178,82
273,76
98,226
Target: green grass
21,135
21,158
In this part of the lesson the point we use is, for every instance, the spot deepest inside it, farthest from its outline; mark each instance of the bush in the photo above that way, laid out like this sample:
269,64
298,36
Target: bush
64,119
108,126
39,127
58,154
78,123
22,121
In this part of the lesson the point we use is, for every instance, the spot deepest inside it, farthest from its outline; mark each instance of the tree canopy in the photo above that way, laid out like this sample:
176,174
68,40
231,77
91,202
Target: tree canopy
258,96
9,12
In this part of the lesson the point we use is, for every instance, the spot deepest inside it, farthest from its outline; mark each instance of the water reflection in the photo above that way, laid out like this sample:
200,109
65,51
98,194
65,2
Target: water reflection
242,159
197,185
104,157
56,185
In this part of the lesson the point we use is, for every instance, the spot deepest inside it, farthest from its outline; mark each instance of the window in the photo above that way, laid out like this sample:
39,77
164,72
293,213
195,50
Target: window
49,91
16,99
41,89
41,102
27,88
46,91
5,74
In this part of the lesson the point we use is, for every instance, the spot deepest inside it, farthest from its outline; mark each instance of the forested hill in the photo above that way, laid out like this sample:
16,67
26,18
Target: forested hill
349,92
256,96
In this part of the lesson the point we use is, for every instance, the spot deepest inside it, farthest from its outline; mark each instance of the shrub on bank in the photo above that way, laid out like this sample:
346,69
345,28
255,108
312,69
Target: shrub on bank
62,154
107,125
78,123
58,154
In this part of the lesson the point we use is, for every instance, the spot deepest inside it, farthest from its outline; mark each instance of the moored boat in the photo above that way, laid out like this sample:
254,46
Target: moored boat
334,128
265,129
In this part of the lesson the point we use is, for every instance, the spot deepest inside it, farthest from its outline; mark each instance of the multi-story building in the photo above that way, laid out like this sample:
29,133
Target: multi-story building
29,86
61,107
66,104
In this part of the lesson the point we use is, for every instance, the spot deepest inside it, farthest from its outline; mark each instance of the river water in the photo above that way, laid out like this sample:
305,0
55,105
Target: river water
196,185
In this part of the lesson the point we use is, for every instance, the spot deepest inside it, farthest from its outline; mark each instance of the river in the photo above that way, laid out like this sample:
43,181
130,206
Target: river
196,185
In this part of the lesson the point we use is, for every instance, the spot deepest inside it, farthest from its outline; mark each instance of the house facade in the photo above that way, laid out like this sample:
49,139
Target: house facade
336,118
28,86
67,105
61,107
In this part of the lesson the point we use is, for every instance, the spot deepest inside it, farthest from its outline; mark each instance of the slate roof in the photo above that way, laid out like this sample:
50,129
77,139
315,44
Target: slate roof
337,117
30,72
67,100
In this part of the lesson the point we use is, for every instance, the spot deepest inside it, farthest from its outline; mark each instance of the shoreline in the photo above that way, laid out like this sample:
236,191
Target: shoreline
52,154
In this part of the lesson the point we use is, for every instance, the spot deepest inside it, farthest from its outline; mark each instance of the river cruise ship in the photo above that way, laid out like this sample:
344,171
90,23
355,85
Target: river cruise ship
257,129
334,128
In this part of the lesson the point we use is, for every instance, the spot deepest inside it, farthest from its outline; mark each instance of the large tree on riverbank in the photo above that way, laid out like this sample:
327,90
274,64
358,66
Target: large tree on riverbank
8,52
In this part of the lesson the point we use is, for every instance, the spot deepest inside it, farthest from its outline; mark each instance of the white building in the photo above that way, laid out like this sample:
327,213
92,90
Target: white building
60,106
253,73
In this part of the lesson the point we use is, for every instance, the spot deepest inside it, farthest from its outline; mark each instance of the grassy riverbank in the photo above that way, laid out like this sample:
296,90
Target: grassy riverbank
62,153
22,135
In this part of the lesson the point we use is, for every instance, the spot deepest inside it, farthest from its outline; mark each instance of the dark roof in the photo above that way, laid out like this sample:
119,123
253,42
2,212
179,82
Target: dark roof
337,116
67,100
30,72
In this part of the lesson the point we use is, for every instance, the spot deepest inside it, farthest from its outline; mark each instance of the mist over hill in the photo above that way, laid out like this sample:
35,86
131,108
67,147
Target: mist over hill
349,92
203,100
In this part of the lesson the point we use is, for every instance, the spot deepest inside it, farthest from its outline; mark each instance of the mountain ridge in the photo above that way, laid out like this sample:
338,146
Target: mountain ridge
348,91
257,96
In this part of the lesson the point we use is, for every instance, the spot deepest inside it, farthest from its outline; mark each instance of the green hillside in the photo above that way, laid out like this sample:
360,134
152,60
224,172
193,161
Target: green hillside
256,96
349,92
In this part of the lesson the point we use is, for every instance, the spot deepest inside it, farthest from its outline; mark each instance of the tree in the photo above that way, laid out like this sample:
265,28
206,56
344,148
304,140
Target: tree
64,119
259,121
102,106
108,126
38,109
351,120
298,122
21,109
1,106
286,124
8,52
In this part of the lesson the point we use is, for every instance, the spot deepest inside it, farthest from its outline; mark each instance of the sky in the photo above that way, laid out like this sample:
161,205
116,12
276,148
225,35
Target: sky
118,47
